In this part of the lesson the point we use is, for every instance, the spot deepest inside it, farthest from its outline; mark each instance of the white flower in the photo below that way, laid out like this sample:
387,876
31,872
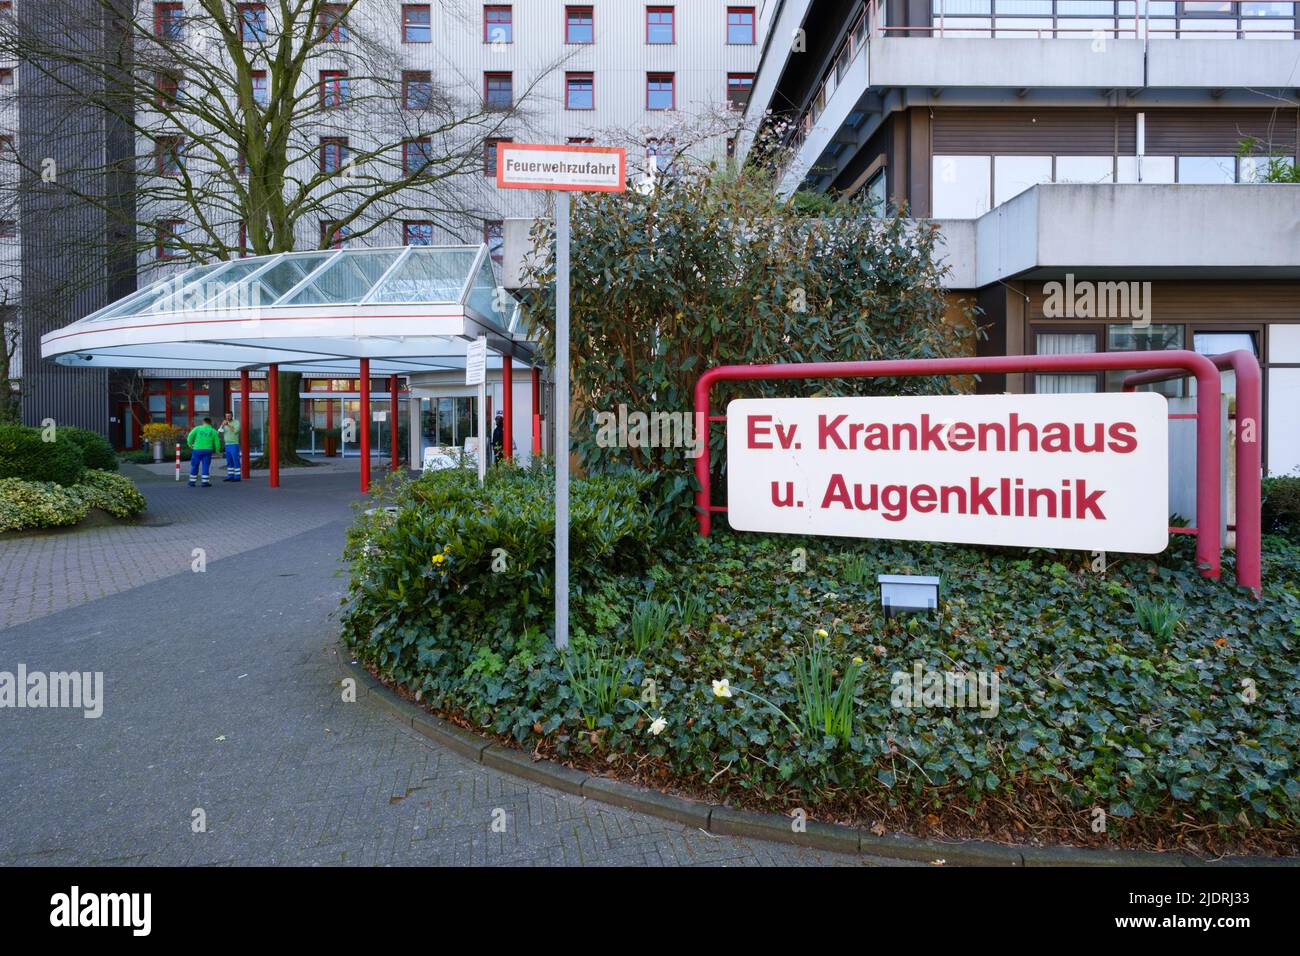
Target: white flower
657,726
722,688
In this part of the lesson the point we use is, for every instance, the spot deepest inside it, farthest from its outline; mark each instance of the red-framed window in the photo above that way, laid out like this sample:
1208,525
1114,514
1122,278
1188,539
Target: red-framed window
168,84
261,91
417,89
244,251
580,140
252,22
417,232
579,24
739,87
333,153
740,26
660,25
332,23
168,20
494,238
660,91
167,238
498,90
182,402
579,91
490,155
333,89
498,24
417,23
8,148
168,155
6,77
8,229
333,235
417,156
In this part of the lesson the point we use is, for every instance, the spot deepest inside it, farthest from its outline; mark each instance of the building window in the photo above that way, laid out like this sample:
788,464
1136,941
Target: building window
739,86
242,162
6,77
260,92
1012,175
416,24
8,229
579,91
333,235
417,89
498,24
333,24
333,153
1207,169
252,22
740,26
490,156
417,232
659,91
169,87
580,140
167,153
877,194
168,238
660,25
579,25
168,20
333,89
498,91
1154,338
494,237
1065,343
417,156
961,186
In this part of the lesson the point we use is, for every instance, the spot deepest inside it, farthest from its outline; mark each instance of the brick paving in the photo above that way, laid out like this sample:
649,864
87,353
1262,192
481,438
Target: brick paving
221,694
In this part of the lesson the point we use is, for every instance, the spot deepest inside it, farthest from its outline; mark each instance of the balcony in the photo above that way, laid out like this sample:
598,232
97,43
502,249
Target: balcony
1145,230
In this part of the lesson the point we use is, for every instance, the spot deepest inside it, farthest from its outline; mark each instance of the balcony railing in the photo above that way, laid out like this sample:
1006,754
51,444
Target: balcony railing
1093,19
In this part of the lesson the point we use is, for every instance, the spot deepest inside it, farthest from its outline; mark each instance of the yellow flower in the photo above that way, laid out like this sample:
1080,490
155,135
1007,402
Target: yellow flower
821,632
438,559
857,660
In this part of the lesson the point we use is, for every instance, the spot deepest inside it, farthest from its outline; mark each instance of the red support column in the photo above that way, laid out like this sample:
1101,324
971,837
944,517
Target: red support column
273,420
393,401
537,413
245,424
365,425
507,409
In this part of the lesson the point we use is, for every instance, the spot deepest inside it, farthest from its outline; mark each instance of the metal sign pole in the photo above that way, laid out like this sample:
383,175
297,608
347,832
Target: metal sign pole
484,441
561,420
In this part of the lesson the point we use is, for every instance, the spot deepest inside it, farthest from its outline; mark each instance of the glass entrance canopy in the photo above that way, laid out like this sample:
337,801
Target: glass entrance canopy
409,308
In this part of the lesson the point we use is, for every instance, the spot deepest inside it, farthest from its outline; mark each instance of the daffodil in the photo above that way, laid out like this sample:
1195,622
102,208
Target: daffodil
857,660
722,688
657,726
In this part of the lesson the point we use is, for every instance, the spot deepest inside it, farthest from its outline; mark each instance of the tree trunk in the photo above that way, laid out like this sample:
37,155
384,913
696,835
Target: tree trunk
288,417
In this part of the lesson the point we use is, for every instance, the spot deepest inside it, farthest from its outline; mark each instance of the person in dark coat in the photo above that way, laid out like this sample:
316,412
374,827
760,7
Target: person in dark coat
498,438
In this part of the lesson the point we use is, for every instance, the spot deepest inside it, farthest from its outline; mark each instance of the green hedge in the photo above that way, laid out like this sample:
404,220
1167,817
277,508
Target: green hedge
1280,510
25,454
1121,690
38,504
96,452
25,505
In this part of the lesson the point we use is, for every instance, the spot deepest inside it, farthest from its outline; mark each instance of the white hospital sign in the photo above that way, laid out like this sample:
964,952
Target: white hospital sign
570,168
1084,472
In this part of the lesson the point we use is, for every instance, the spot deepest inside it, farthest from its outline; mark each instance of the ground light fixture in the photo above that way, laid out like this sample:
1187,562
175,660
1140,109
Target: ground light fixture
907,592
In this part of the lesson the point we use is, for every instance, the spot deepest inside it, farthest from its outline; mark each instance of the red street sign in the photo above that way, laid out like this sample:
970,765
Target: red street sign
568,168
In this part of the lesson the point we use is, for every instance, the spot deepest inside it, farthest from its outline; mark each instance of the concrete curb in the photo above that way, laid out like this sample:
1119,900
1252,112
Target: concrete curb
726,821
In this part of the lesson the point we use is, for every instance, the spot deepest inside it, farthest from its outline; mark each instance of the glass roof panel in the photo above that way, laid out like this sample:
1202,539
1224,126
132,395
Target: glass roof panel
227,289
347,279
482,294
286,274
427,275
146,299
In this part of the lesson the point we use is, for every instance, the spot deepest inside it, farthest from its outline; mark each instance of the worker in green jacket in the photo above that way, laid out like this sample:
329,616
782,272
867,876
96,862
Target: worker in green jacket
203,441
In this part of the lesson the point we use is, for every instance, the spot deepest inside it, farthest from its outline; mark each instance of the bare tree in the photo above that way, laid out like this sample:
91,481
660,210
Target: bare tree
259,128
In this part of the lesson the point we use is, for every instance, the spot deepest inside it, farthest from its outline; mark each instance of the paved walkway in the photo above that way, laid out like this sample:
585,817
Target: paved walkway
220,695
